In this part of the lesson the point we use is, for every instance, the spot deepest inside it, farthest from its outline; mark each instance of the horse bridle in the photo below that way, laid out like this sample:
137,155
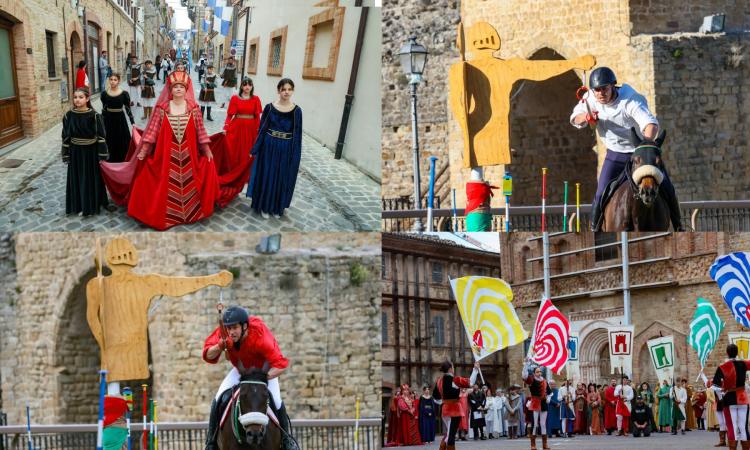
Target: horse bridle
630,178
251,418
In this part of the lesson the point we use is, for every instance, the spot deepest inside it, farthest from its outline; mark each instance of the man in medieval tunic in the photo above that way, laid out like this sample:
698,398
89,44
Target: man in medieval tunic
610,405
134,82
446,392
730,377
624,395
537,403
229,80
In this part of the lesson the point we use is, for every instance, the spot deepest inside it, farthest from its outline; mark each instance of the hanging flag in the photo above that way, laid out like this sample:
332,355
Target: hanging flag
226,20
551,332
621,349
662,356
217,19
742,341
705,329
488,315
732,273
572,368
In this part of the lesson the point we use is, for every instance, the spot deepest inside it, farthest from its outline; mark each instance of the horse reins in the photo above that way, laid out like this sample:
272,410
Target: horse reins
237,413
632,182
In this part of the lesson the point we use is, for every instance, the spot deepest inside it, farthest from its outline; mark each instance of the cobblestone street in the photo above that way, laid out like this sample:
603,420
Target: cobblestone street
331,195
693,440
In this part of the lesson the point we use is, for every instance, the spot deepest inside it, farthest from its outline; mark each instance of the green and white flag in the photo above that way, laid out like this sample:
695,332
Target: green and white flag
705,329
662,356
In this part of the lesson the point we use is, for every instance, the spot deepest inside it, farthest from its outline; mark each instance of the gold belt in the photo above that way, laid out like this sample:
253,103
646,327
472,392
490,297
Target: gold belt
245,116
280,134
79,141
114,109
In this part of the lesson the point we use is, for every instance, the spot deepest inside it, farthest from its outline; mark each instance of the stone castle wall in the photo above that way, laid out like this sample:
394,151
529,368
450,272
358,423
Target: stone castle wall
319,295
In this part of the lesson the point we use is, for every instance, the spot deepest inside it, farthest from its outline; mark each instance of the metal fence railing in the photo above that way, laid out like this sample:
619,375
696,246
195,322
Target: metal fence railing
731,215
330,434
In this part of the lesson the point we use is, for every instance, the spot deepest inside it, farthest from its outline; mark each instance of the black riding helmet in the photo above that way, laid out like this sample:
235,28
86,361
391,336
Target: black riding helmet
234,315
602,76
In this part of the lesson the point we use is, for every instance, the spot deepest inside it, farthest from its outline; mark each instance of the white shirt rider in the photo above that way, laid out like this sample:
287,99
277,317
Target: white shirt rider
628,109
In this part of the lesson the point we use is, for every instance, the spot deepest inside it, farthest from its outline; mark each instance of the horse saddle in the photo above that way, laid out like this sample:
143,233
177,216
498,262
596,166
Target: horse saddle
226,410
611,188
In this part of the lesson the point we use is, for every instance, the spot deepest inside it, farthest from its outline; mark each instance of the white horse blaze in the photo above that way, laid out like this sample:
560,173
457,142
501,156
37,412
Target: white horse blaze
254,418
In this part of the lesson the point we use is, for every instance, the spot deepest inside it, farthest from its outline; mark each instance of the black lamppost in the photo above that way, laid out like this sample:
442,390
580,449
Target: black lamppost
413,59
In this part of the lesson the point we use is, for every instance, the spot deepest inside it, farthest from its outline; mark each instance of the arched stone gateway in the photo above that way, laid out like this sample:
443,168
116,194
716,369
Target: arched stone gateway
594,345
541,135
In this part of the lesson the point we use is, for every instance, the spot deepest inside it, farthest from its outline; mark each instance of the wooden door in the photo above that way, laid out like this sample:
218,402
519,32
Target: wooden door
10,106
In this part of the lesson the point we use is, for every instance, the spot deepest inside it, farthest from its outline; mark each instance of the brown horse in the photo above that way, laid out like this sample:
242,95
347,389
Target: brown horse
248,427
636,204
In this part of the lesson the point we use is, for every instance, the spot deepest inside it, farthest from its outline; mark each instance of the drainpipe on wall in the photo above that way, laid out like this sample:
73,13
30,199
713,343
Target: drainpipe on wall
352,79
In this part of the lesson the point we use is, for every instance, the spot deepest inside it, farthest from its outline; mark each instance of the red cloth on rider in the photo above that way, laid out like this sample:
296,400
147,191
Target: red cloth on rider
258,346
477,192
114,408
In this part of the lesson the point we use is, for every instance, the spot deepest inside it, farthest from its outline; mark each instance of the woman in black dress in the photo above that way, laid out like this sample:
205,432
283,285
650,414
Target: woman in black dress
115,101
83,146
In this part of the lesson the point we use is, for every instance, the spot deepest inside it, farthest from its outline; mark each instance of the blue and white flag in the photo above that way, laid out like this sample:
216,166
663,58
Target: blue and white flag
732,273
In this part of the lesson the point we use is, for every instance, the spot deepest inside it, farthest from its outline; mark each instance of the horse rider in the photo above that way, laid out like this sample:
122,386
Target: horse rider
614,110
249,340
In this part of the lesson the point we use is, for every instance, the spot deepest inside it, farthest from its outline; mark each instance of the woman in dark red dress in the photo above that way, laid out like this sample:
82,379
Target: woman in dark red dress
241,128
408,422
579,425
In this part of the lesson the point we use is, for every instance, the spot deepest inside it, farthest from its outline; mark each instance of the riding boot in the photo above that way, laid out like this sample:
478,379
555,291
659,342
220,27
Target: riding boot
674,208
287,442
722,439
443,445
544,442
533,441
208,114
732,445
203,111
213,427
595,216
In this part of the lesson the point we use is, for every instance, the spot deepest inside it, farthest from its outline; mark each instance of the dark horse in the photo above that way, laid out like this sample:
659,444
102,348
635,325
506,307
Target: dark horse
636,204
248,426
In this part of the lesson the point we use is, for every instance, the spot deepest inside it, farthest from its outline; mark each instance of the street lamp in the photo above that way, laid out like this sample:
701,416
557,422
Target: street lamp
413,59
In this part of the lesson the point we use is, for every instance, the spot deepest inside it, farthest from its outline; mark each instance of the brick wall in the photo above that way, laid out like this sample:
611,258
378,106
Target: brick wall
42,105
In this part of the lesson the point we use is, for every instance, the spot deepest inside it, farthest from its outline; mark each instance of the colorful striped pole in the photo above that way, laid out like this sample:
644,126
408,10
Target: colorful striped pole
565,207
431,193
455,217
156,434
100,424
544,199
151,424
128,394
28,426
356,425
578,207
144,439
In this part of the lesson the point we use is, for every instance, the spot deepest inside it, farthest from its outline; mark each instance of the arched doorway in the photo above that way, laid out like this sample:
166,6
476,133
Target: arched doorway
541,135
11,128
76,55
594,357
77,361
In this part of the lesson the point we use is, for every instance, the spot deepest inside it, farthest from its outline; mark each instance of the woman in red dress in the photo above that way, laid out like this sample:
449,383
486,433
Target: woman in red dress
393,420
175,181
409,425
82,78
241,128
579,425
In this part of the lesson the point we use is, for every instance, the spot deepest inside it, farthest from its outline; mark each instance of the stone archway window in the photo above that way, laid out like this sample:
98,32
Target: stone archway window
276,50
323,44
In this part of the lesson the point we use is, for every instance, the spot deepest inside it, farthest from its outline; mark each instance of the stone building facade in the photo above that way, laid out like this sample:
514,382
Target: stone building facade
668,272
319,296
692,81
421,327
48,41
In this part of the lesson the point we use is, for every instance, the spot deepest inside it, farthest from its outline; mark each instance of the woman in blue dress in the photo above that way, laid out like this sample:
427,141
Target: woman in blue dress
427,411
277,152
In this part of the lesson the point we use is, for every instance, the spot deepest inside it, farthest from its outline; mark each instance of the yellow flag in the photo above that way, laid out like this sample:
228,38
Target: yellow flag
489,318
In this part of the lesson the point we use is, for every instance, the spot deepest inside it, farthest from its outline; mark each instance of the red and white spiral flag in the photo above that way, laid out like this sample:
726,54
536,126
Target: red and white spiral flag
551,334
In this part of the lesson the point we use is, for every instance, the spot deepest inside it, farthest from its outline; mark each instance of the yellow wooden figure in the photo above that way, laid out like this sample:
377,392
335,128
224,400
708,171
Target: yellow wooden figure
480,92
117,308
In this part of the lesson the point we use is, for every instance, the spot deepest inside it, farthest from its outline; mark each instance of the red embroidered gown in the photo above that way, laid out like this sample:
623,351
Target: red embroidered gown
176,184
408,423
232,151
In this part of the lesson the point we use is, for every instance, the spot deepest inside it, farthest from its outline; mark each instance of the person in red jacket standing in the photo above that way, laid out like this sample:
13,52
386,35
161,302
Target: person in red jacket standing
610,406
82,78
447,392
248,340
